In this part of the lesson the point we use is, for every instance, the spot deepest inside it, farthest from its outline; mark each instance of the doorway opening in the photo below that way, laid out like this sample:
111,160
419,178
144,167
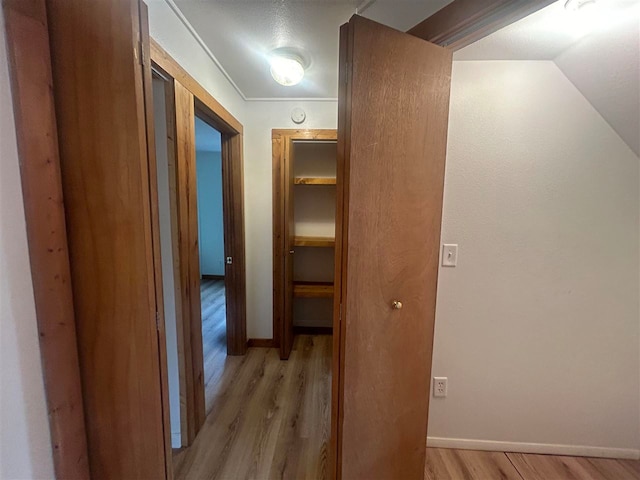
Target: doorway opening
198,150
208,144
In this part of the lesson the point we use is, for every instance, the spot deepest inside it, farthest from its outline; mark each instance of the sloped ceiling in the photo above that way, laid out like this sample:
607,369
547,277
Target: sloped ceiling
600,54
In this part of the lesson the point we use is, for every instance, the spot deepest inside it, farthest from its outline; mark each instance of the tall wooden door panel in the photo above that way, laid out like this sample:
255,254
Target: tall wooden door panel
289,237
392,132
100,109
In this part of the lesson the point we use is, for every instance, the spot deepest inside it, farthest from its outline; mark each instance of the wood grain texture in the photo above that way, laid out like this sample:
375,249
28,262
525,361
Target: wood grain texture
463,22
314,241
104,165
394,213
315,181
277,191
229,124
269,419
545,467
452,464
155,233
188,99
312,290
342,225
288,235
209,110
234,243
447,464
191,328
34,114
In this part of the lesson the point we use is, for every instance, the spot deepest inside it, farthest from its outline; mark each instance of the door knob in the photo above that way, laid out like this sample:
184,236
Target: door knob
397,305
291,252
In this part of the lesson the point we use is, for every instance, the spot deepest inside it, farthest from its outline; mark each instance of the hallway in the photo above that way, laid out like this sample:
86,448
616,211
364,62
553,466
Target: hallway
268,418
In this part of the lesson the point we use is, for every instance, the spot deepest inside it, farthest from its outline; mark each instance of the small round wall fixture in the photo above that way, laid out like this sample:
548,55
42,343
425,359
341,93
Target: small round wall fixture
298,115
287,67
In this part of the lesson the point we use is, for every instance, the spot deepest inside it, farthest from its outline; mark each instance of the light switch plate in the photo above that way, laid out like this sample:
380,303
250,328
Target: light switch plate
449,255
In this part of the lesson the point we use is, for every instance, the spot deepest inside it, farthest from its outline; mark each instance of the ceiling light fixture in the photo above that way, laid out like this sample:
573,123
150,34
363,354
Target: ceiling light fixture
286,68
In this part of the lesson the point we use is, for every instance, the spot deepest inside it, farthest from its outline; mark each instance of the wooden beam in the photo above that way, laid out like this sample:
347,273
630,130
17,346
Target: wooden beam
28,49
463,22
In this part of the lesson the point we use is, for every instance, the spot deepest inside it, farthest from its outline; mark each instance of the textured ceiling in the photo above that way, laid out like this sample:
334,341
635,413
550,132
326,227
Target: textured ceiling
241,34
599,53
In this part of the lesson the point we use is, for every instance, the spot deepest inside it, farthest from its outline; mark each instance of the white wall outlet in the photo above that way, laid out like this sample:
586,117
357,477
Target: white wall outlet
449,255
439,386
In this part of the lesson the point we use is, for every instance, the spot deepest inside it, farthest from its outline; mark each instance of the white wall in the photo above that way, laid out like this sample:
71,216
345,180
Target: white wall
537,328
171,33
25,448
210,214
262,117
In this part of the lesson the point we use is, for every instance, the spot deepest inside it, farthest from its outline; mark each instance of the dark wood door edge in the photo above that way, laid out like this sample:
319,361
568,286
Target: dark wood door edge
463,22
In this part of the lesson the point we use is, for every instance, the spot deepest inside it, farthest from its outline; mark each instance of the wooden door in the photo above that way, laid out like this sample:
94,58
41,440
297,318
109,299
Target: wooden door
289,242
99,90
392,129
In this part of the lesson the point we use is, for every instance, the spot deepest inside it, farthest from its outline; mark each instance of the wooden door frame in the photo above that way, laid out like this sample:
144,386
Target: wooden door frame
281,140
52,292
185,99
28,53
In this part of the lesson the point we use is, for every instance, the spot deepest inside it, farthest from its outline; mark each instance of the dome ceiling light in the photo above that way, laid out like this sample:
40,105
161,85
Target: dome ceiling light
287,67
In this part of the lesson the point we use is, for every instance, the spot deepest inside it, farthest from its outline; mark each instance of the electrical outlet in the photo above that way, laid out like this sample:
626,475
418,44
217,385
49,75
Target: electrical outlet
439,386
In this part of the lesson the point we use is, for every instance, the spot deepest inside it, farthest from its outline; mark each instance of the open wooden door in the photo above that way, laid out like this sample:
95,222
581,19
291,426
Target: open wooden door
100,73
392,132
286,343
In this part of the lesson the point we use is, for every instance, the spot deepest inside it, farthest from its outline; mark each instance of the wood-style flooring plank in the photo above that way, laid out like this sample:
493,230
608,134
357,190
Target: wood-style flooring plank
555,467
268,418
214,335
449,464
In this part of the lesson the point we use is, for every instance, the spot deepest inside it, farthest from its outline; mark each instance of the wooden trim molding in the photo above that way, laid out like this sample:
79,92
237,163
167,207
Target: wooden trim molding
28,50
280,140
147,78
463,22
261,343
175,70
212,277
186,99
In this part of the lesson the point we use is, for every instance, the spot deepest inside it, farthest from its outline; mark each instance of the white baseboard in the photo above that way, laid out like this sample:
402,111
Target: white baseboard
541,448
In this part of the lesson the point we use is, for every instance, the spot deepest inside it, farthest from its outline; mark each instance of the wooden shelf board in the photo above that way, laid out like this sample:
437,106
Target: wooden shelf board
312,290
314,241
315,181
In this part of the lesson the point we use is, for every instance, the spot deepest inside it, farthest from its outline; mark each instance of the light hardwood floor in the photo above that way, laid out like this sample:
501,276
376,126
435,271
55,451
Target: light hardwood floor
446,464
214,336
269,419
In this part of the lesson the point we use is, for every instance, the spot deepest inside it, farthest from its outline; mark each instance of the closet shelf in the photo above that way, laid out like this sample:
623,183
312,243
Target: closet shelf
315,181
314,241
313,290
